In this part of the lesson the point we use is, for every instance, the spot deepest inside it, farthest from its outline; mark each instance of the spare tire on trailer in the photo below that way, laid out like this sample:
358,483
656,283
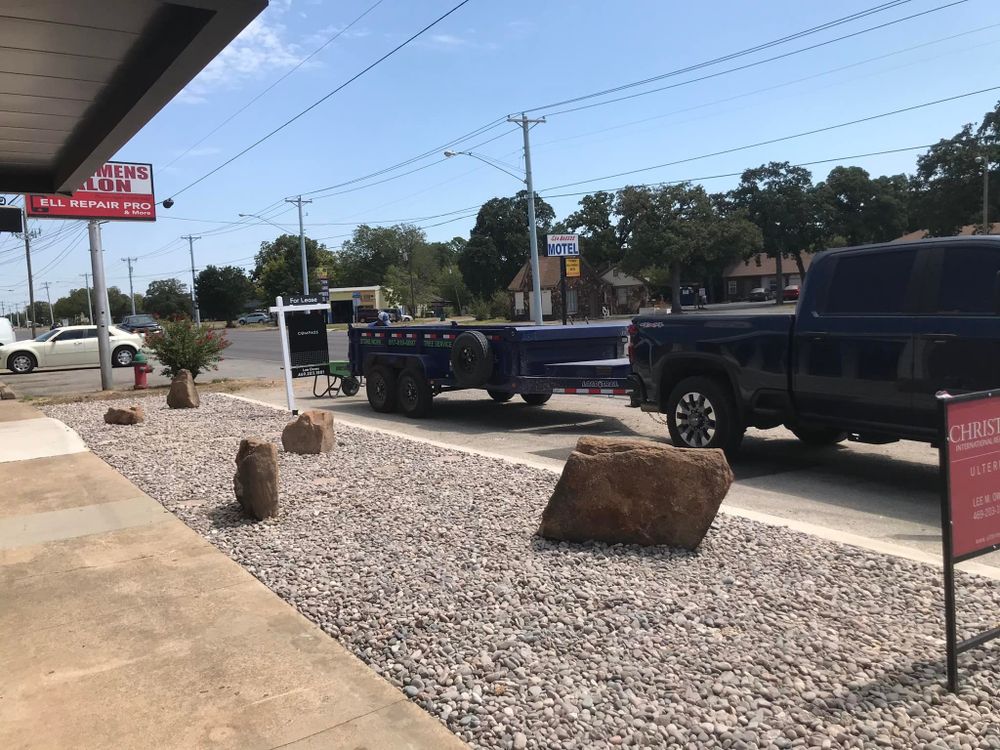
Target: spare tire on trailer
471,359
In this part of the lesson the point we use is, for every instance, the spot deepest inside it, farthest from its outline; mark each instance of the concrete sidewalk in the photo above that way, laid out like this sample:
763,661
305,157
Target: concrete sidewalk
124,628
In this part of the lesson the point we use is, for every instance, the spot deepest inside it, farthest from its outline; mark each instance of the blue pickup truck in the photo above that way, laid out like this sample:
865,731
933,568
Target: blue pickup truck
877,331
406,366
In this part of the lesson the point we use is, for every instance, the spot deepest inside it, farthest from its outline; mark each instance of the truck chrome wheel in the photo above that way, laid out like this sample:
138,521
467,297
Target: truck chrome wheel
695,417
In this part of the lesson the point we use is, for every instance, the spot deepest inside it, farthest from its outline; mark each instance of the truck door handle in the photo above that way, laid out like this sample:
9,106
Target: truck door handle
943,338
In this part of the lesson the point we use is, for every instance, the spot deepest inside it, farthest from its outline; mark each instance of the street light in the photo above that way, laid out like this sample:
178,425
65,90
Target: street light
985,163
305,267
536,281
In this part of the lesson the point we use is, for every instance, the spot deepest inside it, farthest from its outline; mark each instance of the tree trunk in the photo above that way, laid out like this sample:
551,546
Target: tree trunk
802,268
779,296
675,288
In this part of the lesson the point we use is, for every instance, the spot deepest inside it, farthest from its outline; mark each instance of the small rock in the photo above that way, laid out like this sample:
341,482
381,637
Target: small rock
310,433
182,394
131,415
256,480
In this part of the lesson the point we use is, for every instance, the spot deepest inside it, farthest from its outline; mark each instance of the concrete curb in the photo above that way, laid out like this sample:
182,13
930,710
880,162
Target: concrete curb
821,532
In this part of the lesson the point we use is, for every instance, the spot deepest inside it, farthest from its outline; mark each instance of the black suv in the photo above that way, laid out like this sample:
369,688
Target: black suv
140,324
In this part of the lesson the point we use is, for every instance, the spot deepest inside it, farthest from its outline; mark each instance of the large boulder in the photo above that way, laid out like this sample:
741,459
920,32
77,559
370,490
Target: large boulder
636,492
311,432
182,394
131,415
6,392
256,479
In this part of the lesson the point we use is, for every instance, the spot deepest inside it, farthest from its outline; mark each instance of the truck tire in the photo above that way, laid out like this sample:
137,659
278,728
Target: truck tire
413,394
535,399
381,389
701,413
500,396
819,436
471,359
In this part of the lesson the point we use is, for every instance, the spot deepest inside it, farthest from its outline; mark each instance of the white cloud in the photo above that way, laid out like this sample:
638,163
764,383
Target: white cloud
453,41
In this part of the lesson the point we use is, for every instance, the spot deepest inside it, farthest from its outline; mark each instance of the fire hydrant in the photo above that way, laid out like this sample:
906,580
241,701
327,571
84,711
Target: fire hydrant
141,368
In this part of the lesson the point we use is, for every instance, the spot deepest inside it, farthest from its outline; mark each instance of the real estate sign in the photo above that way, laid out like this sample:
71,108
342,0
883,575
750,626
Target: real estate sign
117,191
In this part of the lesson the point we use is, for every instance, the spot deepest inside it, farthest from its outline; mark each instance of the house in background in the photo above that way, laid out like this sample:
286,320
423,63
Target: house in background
625,293
585,294
966,231
759,271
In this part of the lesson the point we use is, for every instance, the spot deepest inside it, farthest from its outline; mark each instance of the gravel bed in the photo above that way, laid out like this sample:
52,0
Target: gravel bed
423,562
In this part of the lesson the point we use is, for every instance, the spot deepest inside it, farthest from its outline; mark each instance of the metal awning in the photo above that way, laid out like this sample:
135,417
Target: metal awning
79,79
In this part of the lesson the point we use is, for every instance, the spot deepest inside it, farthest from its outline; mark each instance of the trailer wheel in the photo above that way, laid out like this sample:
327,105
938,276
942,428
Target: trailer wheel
535,399
349,386
381,389
500,396
471,359
413,394
701,413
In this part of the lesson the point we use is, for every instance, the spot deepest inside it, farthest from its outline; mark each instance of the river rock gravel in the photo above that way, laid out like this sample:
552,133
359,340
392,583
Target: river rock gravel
423,562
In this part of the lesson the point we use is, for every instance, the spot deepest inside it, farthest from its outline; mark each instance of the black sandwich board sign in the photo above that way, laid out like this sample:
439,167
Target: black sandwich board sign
304,348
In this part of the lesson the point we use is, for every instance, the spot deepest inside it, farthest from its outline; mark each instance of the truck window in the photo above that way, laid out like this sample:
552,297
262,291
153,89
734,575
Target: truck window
968,280
869,283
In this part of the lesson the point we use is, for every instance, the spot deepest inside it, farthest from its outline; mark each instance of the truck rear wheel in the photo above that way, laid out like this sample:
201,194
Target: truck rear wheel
701,413
500,396
819,435
413,394
381,389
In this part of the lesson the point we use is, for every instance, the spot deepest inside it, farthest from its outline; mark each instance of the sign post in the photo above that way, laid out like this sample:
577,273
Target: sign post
563,246
304,346
969,455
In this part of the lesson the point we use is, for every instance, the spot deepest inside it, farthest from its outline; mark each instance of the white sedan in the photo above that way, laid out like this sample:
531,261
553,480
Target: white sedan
69,346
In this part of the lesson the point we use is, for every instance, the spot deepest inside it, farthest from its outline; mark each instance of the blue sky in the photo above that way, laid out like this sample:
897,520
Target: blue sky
490,59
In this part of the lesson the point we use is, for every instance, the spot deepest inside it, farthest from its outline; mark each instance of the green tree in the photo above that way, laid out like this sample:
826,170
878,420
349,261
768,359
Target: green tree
779,198
857,209
73,305
278,266
365,259
596,222
223,292
502,221
165,298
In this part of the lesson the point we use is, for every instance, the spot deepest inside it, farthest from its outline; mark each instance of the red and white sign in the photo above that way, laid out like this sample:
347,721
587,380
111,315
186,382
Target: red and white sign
119,190
973,474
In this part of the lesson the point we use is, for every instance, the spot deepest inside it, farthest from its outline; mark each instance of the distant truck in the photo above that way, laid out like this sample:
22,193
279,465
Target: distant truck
877,331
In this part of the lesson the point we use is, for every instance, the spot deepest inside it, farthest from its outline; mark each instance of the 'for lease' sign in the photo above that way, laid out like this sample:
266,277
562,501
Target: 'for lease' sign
118,190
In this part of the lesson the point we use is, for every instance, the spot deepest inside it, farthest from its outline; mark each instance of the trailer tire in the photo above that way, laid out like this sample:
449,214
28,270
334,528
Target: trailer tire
701,413
413,394
381,389
819,436
471,359
535,399
500,397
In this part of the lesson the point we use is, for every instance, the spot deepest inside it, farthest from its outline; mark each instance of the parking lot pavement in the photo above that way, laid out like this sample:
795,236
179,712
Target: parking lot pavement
887,493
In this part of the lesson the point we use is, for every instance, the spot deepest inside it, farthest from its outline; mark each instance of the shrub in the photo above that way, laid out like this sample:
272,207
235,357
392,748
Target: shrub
500,304
184,346
481,309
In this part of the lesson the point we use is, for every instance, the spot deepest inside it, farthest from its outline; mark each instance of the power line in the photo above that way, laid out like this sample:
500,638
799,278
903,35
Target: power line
322,99
754,64
769,141
250,103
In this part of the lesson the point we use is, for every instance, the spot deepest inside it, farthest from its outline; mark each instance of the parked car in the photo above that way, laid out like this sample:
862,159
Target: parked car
70,346
879,330
790,292
759,294
140,324
7,336
255,317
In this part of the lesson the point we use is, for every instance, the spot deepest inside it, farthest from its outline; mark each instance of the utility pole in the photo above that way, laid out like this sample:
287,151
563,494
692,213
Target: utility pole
195,312
27,257
536,280
131,293
52,317
90,305
302,243
103,307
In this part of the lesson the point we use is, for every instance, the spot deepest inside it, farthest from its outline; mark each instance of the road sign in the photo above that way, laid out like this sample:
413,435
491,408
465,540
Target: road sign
355,295
572,267
968,450
562,245
118,190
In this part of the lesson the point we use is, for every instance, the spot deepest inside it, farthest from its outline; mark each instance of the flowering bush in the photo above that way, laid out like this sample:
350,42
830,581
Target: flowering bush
182,345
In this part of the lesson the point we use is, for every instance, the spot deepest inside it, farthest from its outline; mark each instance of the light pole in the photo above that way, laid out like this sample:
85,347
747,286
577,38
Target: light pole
48,298
302,239
90,304
536,281
194,297
984,161
131,291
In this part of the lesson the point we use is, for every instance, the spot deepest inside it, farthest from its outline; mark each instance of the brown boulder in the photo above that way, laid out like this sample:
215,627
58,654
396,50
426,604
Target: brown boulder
256,480
131,415
6,393
636,492
311,432
182,394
